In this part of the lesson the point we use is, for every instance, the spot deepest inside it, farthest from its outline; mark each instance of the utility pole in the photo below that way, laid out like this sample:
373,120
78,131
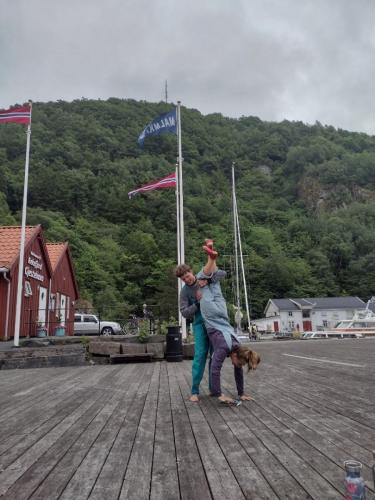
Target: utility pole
166,90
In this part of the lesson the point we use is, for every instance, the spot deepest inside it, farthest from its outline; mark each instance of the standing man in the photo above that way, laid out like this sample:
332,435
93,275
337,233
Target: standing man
190,309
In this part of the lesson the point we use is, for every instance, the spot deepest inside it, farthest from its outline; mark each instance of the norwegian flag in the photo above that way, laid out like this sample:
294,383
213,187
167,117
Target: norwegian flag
165,182
22,114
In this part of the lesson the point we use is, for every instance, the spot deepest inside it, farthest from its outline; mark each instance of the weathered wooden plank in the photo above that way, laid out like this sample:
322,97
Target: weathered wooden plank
316,486
279,478
298,425
137,486
24,407
347,396
191,474
25,394
39,421
323,454
311,447
23,463
222,481
360,417
109,482
306,419
17,444
314,399
164,482
250,479
83,480
39,473
38,414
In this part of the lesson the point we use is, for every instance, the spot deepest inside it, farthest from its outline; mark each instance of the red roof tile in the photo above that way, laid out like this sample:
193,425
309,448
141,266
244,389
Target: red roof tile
55,251
10,243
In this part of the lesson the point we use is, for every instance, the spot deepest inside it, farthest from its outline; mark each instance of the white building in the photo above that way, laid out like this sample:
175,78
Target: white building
309,314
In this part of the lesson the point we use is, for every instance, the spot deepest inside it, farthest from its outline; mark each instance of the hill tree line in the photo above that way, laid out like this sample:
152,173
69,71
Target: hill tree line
305,197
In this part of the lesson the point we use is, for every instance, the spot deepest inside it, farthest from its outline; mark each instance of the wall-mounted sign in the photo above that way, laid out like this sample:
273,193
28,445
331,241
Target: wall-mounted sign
28,290
31,273
35,261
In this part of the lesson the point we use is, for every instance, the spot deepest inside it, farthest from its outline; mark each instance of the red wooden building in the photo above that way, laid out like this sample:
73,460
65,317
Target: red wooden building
64,289
39,306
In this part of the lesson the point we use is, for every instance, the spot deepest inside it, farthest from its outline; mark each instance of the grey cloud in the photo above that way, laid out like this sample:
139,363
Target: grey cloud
276,59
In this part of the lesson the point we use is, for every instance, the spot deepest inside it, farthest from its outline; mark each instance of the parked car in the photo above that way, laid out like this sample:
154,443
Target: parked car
283,336
89,324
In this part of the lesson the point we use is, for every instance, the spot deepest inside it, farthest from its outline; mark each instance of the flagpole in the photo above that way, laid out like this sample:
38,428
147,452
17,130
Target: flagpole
23,234
182,320
178,219
179,284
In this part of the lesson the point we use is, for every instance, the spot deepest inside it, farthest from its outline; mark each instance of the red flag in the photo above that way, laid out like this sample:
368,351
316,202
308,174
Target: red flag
165,182
22,114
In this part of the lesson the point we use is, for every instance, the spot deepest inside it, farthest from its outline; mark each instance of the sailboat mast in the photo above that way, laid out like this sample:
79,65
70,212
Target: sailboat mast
237,296
243,271
238,251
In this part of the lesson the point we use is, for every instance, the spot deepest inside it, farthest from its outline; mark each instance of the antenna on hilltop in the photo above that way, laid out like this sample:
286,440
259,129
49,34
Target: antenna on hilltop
166,90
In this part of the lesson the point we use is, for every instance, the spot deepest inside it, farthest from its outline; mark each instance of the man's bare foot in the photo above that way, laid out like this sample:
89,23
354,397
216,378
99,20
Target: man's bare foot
194,398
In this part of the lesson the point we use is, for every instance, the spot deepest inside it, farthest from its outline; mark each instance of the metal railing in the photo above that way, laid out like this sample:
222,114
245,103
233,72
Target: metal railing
148,323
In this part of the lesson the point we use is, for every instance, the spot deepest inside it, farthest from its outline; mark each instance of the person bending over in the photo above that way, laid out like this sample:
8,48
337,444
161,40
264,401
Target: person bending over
220,332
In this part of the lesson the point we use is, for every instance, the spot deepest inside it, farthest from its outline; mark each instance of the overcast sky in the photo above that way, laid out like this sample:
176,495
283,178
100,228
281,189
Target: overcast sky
302,60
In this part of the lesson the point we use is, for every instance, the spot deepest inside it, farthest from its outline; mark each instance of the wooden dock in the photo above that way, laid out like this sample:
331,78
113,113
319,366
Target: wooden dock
129,432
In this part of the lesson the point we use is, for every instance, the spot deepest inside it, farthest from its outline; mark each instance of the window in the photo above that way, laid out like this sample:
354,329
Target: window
89,319
325,323
77,319
290,313
305,314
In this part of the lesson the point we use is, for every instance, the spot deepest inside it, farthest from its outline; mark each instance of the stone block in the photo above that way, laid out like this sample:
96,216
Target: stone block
104,348
132,348
157,349
155,339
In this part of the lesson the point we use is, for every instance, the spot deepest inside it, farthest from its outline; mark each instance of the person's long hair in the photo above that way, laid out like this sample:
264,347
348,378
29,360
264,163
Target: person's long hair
248,357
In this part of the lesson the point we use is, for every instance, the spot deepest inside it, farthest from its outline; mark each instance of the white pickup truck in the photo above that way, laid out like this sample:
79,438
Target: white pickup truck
89,324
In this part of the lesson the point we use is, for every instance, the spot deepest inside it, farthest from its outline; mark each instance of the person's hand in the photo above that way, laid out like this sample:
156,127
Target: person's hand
246,397
202,283
198,295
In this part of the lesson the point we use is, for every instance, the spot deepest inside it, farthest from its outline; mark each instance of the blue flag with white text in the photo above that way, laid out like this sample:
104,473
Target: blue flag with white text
163,123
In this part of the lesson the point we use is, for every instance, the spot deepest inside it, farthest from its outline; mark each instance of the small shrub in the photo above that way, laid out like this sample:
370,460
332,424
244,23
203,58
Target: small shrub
144,331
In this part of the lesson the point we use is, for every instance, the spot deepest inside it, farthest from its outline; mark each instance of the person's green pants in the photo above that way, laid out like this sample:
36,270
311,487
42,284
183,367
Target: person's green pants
201,349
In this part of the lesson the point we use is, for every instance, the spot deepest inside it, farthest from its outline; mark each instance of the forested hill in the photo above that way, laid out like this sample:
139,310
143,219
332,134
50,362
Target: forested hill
305,198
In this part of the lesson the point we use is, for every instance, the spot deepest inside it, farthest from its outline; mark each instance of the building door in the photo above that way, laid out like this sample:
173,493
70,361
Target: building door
307,326
42,309
275,326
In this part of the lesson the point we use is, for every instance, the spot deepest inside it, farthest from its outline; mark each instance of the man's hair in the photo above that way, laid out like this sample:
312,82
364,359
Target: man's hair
182,269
